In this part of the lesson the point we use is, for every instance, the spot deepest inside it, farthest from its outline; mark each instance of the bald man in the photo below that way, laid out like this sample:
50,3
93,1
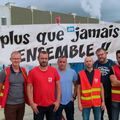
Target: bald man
90,91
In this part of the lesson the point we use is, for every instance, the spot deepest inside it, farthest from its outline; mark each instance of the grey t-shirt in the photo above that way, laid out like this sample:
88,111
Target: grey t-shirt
16,90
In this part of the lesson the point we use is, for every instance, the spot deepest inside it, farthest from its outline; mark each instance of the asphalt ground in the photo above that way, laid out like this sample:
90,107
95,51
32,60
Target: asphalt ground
29,114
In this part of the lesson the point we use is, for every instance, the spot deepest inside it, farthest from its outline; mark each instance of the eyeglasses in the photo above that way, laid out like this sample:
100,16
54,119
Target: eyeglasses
16,58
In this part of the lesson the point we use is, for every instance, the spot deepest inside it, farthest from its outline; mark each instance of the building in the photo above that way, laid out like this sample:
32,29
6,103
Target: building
13,15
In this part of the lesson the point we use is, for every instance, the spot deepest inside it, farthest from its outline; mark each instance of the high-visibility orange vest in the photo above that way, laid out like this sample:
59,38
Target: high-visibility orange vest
5,87
116,89
90,94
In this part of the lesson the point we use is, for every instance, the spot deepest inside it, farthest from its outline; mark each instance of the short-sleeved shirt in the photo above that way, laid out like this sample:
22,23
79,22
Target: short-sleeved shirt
43,85
105,70
16,90
89,75
67,78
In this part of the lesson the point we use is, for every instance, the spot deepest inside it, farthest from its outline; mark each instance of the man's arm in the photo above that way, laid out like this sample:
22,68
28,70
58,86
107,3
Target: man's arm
114,80
30,93
79,96
30,97
2,78
75,90
58,89
75,80
102,97
1,85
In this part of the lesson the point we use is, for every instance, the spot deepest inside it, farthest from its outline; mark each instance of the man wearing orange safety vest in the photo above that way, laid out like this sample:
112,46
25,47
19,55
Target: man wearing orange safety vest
115,80
13,89
90,91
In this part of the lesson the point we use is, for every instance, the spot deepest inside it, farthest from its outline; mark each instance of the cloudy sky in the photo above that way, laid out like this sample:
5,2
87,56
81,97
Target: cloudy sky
107,10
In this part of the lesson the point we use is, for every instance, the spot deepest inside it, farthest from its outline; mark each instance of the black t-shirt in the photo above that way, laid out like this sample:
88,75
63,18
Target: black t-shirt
111,71
106,71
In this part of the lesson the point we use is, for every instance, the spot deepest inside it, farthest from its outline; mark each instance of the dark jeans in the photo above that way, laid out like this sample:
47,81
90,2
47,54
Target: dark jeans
48,111
69,110
115,110
96,112
108,103
14,112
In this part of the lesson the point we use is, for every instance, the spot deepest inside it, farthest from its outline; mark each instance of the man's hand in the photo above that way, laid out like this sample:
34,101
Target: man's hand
80,106
34,107
0,107
103,107
57,104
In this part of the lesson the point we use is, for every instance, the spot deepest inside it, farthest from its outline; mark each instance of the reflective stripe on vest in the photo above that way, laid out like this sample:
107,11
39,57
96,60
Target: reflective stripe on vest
5,88
116,91
90,94
1,94
92,90
90,98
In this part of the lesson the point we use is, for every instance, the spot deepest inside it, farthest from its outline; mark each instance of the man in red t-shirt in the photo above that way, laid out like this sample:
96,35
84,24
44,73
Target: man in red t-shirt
44,89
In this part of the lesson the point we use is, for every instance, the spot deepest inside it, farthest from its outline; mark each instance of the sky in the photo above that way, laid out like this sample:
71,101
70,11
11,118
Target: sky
105,10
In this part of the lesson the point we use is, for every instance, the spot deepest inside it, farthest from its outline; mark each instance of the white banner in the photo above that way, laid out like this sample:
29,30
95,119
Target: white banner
73,40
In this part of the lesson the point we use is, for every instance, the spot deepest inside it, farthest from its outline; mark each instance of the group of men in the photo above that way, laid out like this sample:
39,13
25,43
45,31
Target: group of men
49,91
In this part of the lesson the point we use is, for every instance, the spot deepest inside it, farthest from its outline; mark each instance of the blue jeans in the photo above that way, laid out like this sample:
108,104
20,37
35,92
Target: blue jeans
69,110
96,112
115,110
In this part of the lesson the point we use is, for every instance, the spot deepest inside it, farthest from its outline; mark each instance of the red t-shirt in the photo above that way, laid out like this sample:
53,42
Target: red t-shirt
43,85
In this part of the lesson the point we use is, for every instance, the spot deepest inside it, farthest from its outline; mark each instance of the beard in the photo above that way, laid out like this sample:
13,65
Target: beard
43,64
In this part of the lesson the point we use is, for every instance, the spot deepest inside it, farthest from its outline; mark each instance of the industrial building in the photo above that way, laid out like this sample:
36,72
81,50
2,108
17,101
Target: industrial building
13,15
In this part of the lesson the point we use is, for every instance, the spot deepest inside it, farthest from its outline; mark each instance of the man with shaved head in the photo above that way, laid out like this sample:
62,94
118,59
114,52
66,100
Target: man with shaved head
90,91
68,78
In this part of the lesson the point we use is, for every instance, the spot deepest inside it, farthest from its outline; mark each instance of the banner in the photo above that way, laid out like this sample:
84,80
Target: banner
76,41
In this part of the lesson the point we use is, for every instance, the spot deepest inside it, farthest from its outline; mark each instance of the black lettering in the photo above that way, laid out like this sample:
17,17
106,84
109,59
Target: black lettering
11,37
73,51
77,35
89,51
40,49
83,35
61,51
26,40
105,45
110,30
4,40
104,33
116,30
50,51
41,38
81,52
51,36
94,33
59,35
18,39
31,54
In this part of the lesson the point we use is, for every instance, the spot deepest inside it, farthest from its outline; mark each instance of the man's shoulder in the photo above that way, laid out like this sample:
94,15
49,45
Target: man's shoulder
96,63
71,70
23,68
110,63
